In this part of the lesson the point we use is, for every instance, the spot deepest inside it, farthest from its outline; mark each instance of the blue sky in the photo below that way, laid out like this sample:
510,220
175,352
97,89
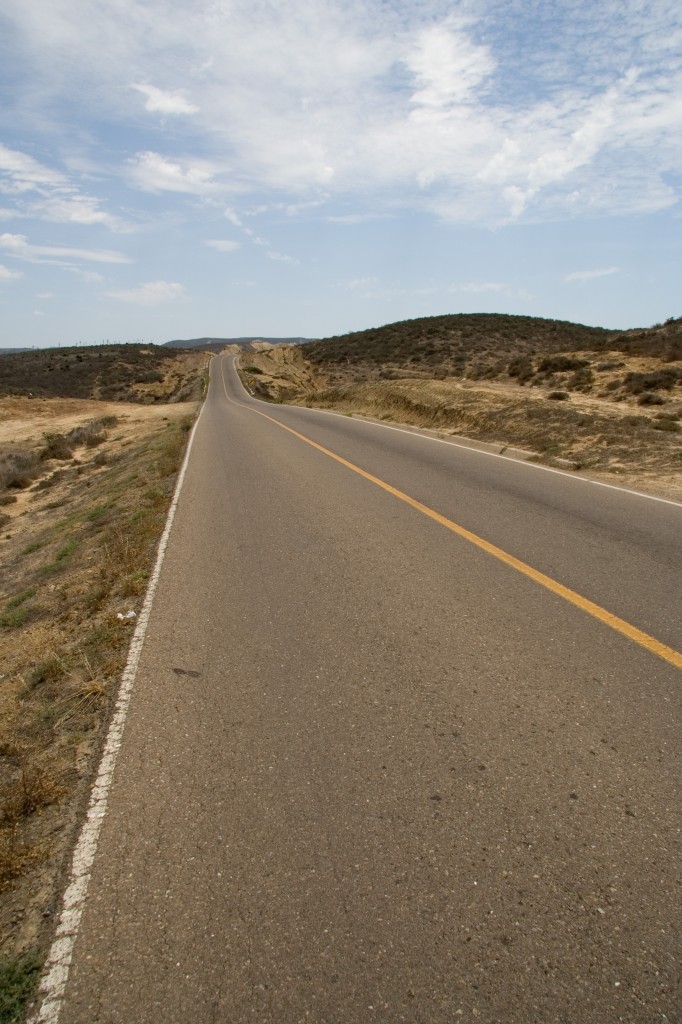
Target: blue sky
308,167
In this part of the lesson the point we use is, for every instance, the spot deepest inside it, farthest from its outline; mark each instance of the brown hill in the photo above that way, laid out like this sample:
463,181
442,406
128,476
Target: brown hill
124,373
490,346
455,344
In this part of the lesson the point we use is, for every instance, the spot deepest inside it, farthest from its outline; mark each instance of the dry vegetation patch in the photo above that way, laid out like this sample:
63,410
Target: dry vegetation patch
84,492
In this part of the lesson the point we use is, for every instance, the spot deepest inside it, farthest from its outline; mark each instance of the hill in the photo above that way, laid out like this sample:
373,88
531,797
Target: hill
455,344
576,396
123,373
493,346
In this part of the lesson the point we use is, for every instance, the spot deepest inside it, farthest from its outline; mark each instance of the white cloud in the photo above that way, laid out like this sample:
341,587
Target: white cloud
19,246
89,276
20,172
361,283
73,209
163,102
479,288
256,239
281,257
447,66
46,295
352,218
397,105
152,293
156,173
9,275
45,194
591,275
222,244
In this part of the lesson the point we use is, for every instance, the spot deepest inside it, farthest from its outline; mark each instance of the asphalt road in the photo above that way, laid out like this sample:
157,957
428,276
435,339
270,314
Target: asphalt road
372,772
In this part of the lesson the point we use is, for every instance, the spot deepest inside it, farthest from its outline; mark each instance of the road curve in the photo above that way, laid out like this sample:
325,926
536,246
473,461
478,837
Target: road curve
371,770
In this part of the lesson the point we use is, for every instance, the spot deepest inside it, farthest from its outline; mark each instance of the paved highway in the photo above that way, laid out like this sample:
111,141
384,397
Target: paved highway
403,744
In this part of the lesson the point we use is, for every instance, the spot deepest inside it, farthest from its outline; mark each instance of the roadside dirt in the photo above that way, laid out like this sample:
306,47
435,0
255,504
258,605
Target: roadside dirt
77,541
615,441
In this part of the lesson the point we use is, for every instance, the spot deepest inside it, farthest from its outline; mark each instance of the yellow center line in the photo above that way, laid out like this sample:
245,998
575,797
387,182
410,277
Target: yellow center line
668,654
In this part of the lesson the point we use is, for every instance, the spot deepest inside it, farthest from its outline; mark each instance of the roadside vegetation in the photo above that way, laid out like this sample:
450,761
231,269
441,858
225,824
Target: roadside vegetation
575,396
81,512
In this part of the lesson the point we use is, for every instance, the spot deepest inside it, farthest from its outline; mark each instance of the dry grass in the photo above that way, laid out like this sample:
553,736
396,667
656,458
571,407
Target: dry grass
74,554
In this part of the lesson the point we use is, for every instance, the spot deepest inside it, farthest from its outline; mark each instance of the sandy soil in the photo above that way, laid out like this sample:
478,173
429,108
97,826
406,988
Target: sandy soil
27,419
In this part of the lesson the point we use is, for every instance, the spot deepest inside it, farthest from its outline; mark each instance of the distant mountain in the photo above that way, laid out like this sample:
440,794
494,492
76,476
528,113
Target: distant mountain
12,351
214,343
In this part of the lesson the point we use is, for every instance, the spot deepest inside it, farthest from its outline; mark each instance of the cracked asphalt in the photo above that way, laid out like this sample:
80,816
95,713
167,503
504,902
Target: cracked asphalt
370,773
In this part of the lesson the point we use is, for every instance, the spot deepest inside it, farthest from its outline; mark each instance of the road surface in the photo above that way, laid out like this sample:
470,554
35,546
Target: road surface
374,771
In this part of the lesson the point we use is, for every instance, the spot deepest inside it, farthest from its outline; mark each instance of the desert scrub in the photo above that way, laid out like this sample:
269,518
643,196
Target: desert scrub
18,469
62,665
35,545
15,612
56,446
18,978
62,557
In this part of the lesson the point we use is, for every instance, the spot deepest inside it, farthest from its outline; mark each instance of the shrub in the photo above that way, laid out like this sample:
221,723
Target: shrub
520,367
48,671
18,469
18,979
650,398
582,379
558,396
667,378
561,363
635,421
610,364
57,446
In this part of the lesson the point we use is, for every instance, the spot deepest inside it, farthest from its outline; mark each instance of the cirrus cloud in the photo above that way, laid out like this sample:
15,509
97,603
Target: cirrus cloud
21,248
591,275
151,293
43,193
222,244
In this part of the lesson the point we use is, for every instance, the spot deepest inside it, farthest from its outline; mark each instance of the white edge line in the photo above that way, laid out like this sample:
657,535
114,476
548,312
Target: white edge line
567,474
56,969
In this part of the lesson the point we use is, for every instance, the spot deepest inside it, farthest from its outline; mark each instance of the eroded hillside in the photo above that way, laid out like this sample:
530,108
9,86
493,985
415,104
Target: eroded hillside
579,397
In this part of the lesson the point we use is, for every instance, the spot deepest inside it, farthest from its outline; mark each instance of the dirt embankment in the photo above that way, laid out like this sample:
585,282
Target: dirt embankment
625,441
280,372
